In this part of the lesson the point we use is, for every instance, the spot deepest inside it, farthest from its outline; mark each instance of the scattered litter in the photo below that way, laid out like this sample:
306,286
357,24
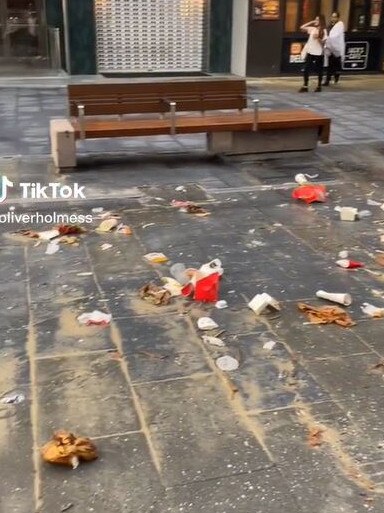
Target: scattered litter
206,324
214,266
30,234
124,229
203,283
227,363
310,193
156,258
269,345
107,225
221,304
327,315
69,239
380,260
203,288
341,298
214,341
155,295
263,301
106,246
373,203
190,208
153,355
172,286
181,188
95,318
315,437
87,273
52,248
197,211
180,203
301,179
349,264
116,355
48,235
147,225
372,311
343,254
67,449
66,507
178,271
256,244
381,238
109,215
70,229
347,213
98,210
378,368
13,398
364,213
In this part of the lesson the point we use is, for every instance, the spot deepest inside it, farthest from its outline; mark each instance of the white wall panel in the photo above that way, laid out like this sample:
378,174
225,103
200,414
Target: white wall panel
150,35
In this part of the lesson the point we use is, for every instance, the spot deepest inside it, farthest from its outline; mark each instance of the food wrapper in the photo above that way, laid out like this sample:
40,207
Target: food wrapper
67,449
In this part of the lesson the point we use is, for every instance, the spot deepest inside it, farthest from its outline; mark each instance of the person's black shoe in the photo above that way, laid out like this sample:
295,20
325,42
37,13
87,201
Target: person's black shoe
303,89
318,89
337,78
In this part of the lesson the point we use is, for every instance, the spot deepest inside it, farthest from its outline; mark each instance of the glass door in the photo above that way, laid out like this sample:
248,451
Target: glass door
23,34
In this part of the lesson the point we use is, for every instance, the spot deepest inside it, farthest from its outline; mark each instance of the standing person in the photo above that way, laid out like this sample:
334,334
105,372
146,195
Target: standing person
335,48
313,51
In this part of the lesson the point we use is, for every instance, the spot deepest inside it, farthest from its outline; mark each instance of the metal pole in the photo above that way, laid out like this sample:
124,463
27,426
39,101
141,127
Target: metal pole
66,36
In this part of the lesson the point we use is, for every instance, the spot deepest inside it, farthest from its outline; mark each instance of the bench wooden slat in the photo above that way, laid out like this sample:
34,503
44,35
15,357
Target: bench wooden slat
268,120
148,97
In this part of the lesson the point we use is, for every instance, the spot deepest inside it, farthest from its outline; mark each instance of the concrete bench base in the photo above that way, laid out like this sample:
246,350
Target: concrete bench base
63,144
265,141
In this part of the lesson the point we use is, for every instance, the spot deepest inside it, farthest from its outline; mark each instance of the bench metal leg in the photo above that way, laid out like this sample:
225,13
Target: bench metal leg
63,144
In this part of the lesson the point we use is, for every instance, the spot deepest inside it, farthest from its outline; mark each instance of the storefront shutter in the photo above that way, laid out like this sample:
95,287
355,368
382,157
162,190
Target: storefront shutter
150,36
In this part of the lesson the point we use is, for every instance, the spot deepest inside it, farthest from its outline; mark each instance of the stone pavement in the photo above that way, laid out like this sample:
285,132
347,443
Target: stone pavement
174,433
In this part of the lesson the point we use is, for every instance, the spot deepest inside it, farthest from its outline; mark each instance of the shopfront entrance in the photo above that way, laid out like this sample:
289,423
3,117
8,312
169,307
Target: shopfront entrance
152,36
23,37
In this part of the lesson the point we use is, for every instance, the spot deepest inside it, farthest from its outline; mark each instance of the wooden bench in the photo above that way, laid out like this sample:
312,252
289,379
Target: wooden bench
217,107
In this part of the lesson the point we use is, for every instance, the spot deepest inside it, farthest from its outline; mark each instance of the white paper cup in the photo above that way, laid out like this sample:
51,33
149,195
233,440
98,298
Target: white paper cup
340,298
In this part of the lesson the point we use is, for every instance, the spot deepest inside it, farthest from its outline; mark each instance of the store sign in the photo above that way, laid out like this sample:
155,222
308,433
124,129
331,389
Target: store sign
295,51
356,55
266,9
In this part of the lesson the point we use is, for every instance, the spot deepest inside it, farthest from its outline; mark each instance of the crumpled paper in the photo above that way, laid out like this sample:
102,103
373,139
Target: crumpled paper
327,315
155,295
67,449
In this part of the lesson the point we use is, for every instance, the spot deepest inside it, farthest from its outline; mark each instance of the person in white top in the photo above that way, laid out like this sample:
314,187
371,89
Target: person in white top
335,49
313,51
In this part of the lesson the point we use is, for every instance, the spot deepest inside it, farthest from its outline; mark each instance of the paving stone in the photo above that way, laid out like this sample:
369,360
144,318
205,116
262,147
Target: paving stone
123,479
347,375
197,432
161,347
85,394
241,493
314,479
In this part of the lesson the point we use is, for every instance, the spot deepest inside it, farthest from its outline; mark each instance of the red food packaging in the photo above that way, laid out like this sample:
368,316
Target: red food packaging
207,289
349,264
310,193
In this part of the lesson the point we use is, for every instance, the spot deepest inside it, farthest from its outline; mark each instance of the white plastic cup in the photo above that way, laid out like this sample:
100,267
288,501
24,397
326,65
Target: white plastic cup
340,298
178,272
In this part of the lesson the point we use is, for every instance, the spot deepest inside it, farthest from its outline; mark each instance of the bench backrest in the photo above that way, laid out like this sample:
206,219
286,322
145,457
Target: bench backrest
152,97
